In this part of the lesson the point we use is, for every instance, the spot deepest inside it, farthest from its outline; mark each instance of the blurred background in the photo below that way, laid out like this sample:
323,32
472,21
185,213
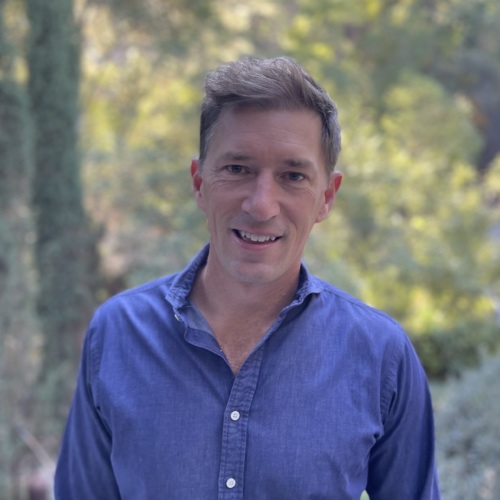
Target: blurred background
99,106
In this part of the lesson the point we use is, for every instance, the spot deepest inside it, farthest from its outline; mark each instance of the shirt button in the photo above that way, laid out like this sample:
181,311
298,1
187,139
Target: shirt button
231,483
177,317
235,415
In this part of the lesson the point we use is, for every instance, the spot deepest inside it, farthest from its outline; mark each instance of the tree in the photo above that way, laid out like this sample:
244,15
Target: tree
65,250
471,66
17,316
410,232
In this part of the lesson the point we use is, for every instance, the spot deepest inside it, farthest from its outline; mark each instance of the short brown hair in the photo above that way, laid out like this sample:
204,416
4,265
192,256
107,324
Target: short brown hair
279,83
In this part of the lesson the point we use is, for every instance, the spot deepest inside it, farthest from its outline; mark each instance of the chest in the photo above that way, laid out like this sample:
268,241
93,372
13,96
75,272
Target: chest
238,338
238,341
287,426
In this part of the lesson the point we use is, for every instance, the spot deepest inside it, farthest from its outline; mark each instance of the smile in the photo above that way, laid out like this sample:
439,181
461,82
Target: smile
255,238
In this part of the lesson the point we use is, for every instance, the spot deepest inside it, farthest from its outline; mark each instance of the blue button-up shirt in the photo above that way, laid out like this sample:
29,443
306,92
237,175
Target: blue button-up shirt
331,401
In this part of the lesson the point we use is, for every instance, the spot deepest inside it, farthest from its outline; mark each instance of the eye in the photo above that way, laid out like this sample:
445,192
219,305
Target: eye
235,169
295,176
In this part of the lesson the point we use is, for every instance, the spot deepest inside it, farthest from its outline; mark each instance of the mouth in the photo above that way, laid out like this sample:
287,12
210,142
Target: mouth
255,238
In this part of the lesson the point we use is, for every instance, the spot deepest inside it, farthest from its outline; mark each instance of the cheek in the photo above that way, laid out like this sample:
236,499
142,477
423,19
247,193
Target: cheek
206,198
309,210
322,208
220,201
303,219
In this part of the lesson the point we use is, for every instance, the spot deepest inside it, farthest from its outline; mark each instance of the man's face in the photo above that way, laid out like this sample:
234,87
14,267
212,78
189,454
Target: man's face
262,187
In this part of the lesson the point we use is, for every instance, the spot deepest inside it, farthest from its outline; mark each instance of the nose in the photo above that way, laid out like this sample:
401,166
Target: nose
261,201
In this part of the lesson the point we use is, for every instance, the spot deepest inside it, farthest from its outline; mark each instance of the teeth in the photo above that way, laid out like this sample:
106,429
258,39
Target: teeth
256,238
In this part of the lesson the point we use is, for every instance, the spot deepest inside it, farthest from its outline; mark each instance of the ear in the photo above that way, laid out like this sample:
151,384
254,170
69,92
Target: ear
334,181
196,183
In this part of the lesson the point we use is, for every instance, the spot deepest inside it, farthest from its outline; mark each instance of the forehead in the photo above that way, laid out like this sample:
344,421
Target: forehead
249,131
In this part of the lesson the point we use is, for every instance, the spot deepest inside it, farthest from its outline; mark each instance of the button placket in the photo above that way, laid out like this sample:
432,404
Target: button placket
235,429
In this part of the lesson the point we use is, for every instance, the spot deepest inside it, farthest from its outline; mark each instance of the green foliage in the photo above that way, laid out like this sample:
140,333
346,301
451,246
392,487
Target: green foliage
409,233
17,315
15,167
66,256
411,224
468,432
414,230
174,24
447,353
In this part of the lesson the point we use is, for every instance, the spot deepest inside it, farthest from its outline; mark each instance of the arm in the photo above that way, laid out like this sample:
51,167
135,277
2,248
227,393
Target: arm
402,463
84,468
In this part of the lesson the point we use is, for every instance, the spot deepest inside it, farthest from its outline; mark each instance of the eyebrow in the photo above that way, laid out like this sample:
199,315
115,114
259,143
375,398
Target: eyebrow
235,156
291,162
299,163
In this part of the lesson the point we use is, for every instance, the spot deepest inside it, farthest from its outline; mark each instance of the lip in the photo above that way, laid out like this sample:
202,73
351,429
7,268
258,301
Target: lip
257,234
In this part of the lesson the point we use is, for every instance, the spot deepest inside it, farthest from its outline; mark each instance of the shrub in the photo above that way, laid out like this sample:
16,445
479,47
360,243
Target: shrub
445,353
468,435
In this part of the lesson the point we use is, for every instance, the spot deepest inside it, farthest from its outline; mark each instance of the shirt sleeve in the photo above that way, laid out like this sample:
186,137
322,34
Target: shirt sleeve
84,468
402,462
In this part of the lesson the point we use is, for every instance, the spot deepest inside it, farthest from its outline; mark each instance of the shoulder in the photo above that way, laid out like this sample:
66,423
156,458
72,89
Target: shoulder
139,311
135,320
383,341
143,296
372,334
354,314
171,289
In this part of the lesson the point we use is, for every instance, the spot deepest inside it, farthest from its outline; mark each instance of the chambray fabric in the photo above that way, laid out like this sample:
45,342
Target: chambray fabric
333,400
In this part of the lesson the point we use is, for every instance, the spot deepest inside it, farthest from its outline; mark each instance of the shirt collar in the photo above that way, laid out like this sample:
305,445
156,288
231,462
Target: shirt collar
183,282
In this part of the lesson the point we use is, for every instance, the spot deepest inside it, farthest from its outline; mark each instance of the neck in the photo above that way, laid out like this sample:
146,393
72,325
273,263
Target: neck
239,314
215,297
218,291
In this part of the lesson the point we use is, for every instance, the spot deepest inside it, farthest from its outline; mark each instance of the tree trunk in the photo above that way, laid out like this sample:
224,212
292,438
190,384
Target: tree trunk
66,256
17,317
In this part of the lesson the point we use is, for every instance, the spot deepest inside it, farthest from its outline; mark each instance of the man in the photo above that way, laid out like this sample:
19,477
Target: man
244,376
